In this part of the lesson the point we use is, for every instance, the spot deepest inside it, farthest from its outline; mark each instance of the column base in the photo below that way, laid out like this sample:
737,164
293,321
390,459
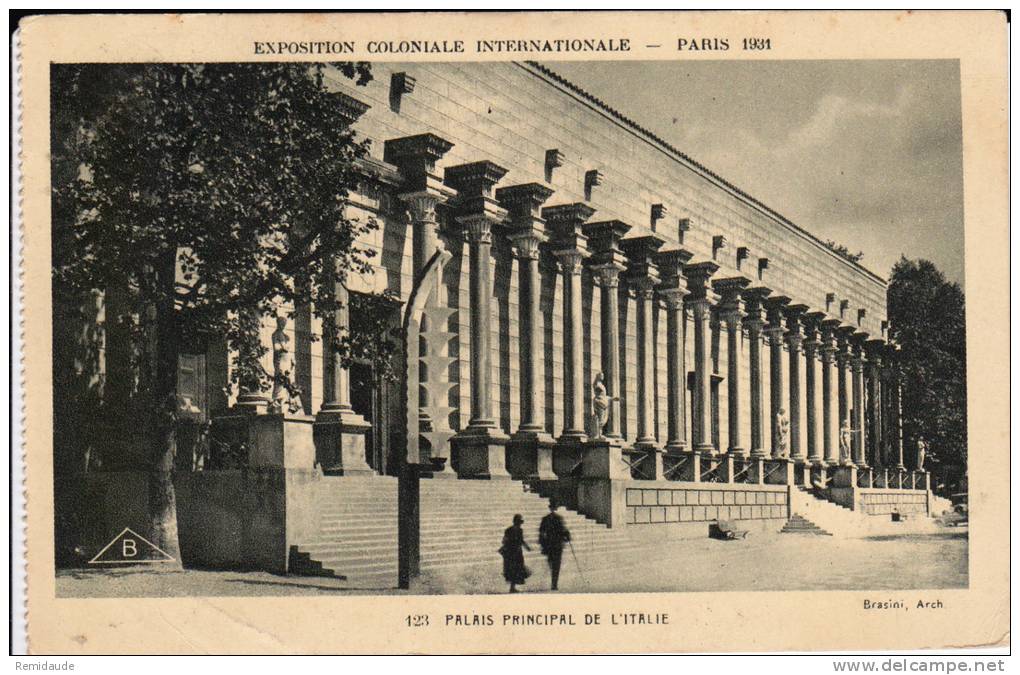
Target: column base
846,476
529,455
481,453
339,436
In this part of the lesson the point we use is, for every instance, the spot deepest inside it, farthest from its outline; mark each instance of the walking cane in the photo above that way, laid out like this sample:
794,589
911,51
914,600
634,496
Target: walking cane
571,545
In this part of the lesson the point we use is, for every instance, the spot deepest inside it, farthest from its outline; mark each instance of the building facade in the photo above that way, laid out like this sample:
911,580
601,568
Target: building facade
583,308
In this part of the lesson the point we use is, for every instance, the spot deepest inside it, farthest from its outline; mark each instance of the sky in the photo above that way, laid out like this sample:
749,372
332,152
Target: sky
866,153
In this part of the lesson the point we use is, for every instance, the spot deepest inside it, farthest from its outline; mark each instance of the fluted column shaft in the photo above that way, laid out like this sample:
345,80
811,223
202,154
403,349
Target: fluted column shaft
530,283
609,283
700,310
480,284
775,333
336,381
573,375
896,412
733,319
875,409
675,371
810,392
645,366
857,368
793,341
828,446
754,327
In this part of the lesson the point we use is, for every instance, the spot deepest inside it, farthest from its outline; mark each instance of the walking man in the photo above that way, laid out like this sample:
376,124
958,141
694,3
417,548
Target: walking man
552,536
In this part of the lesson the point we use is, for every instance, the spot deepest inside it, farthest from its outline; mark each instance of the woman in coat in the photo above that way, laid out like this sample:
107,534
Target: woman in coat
512,550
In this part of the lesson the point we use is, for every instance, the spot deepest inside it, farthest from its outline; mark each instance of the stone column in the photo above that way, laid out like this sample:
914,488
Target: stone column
875,349
775,332
676,428
530,454
700,303
339,432
830,431
811,345
731,311
755,322
794,339
642,276
607,262
896,409
857,368
482,444
608,277
570,246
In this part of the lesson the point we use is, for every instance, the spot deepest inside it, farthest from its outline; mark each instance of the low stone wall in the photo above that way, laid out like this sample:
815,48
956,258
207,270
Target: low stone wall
671,502
881,501
878,502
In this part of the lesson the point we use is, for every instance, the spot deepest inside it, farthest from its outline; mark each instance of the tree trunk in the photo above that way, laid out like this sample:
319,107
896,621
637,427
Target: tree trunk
162,498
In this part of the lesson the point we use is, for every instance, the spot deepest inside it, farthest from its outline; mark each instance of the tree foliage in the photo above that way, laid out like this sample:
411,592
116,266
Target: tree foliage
927,320
843,251
209,196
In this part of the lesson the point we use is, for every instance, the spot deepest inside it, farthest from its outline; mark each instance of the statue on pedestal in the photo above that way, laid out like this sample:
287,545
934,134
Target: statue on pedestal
283,367
845,440
600,402
783,435
922,452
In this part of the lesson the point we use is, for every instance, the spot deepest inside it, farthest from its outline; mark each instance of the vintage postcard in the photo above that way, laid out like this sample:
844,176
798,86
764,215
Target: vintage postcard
515,333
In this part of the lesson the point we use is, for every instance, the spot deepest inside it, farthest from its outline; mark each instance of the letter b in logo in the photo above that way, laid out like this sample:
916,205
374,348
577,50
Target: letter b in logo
128,548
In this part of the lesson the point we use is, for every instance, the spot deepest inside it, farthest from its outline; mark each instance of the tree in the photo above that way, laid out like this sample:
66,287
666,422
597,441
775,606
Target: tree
926,315
206,196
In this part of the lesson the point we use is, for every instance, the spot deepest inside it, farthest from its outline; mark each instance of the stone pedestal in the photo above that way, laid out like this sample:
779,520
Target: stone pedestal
603,458
649,461
846,476
481,453
529,456
725,468
340,443
756,470
779,471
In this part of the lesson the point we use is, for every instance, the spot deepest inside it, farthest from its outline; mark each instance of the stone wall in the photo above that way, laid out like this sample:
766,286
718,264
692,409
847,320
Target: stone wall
880,503
685,503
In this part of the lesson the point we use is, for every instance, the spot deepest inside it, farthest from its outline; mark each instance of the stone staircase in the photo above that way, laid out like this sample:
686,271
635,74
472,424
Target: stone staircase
798,524
831,518
357,535
462,524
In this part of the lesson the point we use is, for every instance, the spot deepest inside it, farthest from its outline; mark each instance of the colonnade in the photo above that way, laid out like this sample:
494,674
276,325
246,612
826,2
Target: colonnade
863,396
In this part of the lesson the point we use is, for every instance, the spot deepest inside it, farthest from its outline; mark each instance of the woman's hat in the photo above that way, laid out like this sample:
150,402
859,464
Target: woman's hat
518,518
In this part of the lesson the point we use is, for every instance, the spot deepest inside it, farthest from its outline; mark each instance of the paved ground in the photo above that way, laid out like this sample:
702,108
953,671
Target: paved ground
759,563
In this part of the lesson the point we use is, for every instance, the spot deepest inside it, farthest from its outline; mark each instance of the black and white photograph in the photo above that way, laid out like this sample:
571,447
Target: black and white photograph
521,326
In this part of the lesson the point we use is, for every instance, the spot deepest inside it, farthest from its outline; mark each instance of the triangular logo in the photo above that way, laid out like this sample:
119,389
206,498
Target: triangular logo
130,548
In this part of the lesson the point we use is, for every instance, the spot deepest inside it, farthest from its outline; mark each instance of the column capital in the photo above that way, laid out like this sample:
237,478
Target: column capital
671,266
673,297
754,307
526,243
607,275
474,183
524,202
699,277
642,272
416,157
566,222
569,260
527,228
422,204
731,292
